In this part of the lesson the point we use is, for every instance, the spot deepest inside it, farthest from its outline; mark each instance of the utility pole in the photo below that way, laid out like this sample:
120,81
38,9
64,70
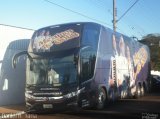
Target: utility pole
114,15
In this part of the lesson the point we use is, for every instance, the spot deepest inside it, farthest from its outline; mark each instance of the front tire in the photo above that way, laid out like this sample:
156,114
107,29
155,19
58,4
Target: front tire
101,98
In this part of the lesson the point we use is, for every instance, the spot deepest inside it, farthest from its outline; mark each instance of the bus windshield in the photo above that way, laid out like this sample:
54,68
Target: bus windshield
56,38
52,71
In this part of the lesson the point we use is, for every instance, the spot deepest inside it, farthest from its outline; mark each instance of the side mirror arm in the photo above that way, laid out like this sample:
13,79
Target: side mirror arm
15,57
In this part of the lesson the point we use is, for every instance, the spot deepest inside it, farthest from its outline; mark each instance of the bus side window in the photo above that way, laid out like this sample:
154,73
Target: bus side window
87,64
90,36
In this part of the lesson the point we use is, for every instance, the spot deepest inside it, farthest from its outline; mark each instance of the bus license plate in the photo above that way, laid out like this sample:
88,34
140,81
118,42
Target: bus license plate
47,106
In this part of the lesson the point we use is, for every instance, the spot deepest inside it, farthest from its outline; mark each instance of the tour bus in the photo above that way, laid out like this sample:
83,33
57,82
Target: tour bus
83,65
12,81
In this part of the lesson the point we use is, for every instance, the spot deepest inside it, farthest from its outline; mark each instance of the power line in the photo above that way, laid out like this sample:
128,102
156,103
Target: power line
76,12
97,4
127,10
17,27
101,4
83,14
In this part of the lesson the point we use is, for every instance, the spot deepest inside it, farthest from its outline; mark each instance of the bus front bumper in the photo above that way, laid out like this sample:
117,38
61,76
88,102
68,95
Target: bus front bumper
53,103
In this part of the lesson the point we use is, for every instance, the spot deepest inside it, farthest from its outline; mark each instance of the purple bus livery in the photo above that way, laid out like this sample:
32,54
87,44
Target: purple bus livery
81,65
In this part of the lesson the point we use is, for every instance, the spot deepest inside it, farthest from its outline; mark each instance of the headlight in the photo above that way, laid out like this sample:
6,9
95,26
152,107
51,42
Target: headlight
27,95
70,95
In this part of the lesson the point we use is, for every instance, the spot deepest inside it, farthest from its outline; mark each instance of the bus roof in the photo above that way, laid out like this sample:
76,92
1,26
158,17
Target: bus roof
71,23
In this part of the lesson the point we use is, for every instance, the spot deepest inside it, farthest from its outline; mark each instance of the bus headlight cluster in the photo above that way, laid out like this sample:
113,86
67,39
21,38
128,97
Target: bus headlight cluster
70,95
27,95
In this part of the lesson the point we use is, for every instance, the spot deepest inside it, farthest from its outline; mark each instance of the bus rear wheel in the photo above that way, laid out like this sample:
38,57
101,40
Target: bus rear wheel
142,91
138,91
101,98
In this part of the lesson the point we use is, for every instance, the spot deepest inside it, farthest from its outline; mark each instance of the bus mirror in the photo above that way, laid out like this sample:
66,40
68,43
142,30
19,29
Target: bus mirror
14,62
15,57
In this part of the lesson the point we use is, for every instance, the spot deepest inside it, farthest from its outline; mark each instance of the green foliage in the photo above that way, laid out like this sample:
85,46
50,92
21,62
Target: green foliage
153,42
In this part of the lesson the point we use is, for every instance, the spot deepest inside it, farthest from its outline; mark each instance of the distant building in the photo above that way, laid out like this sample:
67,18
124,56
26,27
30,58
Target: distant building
10,33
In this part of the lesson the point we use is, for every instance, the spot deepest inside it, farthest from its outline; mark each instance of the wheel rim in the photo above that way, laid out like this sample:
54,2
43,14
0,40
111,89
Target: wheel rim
101,99
142,91
138,91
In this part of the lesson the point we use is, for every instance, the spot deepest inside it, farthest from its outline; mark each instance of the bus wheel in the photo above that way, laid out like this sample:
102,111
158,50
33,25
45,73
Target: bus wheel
101,98
138,91
143,90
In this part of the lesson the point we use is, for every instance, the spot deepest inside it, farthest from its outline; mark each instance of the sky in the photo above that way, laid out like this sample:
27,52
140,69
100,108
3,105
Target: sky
142,19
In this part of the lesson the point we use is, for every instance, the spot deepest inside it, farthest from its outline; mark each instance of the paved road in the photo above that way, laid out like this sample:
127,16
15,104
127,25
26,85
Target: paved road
147,107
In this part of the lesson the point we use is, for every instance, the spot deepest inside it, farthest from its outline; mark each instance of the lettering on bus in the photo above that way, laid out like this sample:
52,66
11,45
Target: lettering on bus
45,42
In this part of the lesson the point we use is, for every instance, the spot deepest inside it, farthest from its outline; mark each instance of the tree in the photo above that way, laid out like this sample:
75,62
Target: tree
153,42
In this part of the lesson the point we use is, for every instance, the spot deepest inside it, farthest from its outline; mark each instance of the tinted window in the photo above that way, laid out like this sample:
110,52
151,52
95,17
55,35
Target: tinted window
56,38
90,36
88,59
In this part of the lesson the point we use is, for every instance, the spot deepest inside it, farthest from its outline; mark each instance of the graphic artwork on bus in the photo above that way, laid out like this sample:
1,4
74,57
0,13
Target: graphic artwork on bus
140,58
127,66
83,65
45,41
